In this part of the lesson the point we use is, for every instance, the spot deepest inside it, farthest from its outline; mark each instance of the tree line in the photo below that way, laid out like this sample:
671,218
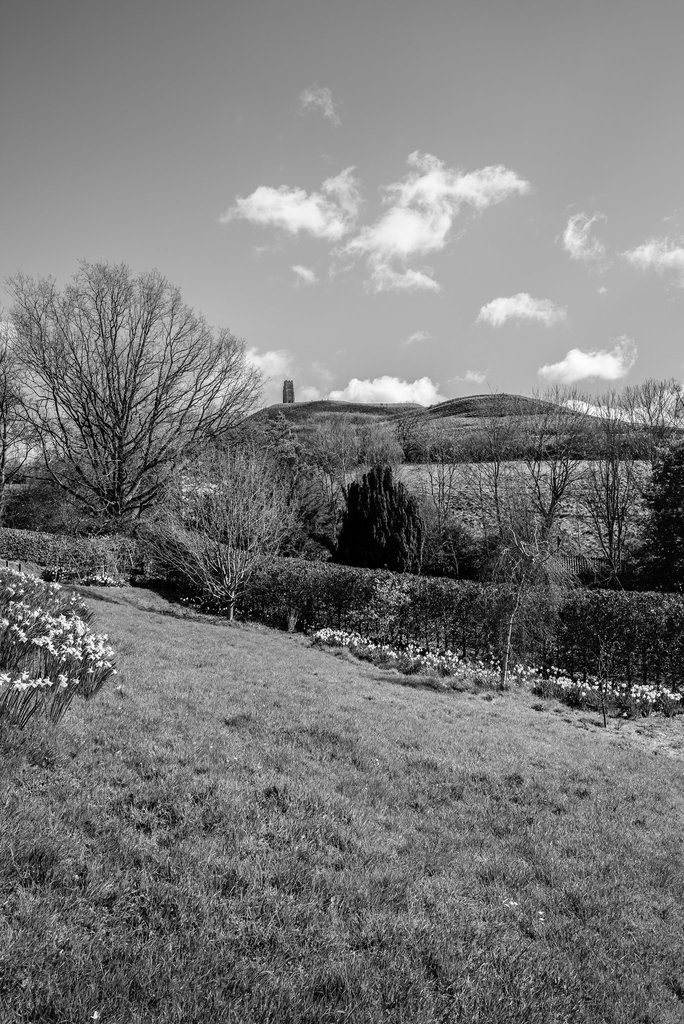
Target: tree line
123,411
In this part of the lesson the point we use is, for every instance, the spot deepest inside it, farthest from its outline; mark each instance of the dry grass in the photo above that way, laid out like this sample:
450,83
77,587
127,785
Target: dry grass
247,829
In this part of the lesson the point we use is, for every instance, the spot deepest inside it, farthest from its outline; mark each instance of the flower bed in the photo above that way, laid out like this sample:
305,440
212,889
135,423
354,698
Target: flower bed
449,670
47,653
628,699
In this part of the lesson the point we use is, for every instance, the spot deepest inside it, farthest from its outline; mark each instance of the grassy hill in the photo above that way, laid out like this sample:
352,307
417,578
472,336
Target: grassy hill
247,829
467,419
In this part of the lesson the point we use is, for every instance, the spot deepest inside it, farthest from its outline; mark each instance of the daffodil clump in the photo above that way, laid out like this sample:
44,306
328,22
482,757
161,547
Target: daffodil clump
630,699
447,666
47,653
625,698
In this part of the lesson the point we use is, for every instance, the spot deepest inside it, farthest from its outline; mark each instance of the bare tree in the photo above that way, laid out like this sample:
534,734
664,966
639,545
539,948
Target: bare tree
554,441
532,582
123,379
16,436
611,489
655,411
226,514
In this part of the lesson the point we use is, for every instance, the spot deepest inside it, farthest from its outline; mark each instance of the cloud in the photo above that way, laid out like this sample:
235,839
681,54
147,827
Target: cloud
385,279
305,275
273,363
319,97
659,254
420,217
577,239
521,307
603,365
389,389
473,377
417,336
328,214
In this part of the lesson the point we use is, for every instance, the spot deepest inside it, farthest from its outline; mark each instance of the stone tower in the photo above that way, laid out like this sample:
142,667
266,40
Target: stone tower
288,392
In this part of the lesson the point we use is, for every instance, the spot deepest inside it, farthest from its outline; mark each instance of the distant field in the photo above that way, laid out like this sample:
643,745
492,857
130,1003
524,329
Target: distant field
246,829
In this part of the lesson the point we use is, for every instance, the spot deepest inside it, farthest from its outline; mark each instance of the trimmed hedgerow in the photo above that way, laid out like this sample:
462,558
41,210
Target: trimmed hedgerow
634,637
71,558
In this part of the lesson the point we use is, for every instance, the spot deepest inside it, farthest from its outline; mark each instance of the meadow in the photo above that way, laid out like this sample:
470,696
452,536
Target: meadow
243,827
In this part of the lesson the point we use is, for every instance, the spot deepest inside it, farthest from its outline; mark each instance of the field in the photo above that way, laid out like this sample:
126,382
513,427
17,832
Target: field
243,828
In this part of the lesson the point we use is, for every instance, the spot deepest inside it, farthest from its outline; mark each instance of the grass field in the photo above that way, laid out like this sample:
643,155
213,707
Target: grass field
243,828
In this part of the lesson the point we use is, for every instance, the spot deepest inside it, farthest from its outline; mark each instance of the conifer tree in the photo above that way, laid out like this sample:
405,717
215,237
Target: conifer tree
381,526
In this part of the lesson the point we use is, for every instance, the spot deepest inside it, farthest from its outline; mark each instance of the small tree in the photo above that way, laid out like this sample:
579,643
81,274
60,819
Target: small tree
226,515
381,525
532,582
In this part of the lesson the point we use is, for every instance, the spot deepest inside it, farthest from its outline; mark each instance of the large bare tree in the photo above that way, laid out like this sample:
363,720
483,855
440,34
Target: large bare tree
122,379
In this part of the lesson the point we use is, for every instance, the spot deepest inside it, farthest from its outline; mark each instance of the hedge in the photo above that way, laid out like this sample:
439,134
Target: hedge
630,636
71,557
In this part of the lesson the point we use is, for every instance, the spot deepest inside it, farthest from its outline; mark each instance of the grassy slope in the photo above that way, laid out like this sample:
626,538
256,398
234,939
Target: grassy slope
249,829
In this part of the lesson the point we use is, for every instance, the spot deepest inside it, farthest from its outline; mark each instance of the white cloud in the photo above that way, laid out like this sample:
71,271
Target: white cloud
604,365
474,377
305,275
273,363
521,307
420,216
327,214
416,337
602,290
319,97
659,254
577,238
386,279
389,389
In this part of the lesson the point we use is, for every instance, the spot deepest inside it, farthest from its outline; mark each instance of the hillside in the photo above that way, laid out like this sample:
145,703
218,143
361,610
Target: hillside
245,828
467,420
470,407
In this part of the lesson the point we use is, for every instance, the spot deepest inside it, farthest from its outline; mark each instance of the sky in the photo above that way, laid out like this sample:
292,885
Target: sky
389,201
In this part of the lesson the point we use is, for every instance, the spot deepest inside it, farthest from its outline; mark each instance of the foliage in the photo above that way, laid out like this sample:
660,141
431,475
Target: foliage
47,653
381,526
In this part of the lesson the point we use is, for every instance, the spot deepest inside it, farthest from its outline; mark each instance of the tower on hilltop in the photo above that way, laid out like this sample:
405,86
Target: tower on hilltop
288,392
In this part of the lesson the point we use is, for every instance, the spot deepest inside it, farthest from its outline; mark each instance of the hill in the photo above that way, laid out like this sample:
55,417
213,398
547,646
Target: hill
245,828
467,420
301,412
470,407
